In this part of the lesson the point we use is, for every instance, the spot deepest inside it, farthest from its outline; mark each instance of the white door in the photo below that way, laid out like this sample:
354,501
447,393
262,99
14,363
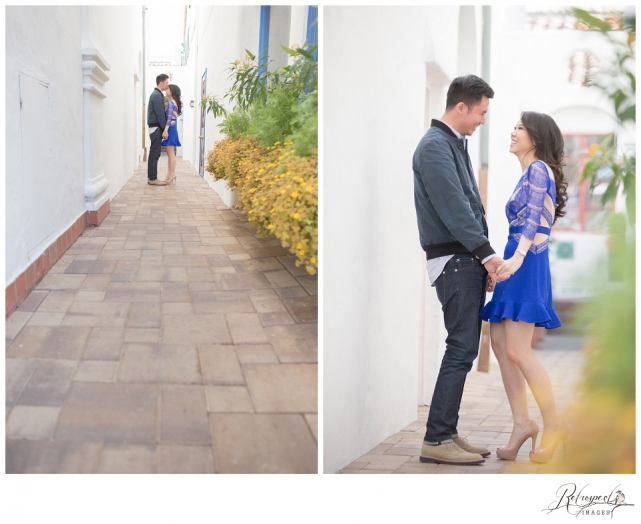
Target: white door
39,183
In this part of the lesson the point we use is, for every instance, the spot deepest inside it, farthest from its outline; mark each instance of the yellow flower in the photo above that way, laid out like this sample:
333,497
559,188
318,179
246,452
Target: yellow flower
296,216
309,189
283,191
301,252
270,226
593,149
299,246
294,194
313,260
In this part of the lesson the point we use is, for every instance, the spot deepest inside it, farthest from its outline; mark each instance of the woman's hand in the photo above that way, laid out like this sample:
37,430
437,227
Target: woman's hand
510,266
490,284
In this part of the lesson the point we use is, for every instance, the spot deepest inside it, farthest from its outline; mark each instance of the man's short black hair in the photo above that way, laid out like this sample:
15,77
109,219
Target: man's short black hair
161,78
468,89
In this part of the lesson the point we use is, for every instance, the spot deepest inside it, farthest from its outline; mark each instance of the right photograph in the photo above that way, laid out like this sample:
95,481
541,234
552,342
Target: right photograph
479,167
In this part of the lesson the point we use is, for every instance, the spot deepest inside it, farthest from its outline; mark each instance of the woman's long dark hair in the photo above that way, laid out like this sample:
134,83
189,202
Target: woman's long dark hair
175,94
548,146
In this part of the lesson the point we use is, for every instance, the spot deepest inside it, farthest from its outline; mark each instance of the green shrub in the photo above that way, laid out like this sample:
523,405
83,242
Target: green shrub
236,125
305,126
272,121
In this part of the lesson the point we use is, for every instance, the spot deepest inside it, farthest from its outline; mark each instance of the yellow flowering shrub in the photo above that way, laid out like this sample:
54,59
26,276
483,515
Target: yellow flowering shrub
277,189
224,160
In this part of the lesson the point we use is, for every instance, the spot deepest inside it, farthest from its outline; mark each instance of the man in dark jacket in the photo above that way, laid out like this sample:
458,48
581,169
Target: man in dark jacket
156,122
453,232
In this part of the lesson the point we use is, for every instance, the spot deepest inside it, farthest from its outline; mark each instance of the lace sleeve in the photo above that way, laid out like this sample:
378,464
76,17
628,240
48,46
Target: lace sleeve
170,113
537,179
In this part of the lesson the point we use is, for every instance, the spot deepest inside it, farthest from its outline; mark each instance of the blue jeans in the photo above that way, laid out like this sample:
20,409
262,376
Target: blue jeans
461,291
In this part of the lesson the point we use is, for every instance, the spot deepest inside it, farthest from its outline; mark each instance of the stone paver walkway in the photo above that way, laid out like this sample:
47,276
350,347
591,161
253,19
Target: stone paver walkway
485,419
168,340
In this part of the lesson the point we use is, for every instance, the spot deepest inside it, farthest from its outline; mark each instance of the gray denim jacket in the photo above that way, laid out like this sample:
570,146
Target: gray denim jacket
448,203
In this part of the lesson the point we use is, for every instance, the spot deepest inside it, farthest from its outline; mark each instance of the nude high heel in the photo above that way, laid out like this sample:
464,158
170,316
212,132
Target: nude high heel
510,453
168,181
544,455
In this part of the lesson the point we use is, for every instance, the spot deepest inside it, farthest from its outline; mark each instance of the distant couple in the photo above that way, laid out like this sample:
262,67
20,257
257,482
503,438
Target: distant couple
161,120
462,266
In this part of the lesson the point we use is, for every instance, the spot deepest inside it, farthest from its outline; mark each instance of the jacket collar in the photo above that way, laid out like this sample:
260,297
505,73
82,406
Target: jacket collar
444,127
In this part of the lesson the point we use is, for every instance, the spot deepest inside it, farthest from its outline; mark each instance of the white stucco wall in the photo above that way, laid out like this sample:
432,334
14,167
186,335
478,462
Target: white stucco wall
380,313
122,109
220,36
45,184
29,34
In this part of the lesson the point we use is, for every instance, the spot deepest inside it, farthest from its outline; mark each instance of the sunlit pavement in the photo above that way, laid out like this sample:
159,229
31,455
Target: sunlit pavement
485,419
170,339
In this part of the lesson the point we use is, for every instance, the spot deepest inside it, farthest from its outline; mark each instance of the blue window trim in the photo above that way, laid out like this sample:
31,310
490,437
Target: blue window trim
263,37
312,27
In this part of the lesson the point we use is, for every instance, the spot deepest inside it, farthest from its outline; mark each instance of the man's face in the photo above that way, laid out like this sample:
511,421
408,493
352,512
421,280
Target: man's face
164,85
474,116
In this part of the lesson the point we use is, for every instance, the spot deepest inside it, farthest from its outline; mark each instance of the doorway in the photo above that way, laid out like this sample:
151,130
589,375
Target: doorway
201,134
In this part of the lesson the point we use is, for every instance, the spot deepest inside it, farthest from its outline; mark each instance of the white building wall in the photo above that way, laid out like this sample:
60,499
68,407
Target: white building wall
220,36
122,109
382,321
43,45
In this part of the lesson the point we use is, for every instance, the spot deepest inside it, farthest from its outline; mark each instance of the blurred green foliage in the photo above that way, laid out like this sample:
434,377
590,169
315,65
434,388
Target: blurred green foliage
603,420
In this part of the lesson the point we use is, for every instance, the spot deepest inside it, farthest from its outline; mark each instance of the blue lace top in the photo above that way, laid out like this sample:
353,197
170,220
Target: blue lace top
171,113
527,205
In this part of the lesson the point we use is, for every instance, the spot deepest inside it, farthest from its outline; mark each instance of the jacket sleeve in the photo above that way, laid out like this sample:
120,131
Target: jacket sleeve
440,178
159,108
538,179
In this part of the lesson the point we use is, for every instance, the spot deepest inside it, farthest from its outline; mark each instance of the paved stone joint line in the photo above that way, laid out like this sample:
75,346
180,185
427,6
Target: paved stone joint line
484,420
170,339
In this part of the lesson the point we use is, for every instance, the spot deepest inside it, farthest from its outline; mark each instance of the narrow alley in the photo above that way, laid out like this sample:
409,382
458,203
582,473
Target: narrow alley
170,339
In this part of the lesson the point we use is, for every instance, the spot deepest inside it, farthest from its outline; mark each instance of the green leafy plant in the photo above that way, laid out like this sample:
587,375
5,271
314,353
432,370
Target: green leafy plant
619,83
237,123
270,154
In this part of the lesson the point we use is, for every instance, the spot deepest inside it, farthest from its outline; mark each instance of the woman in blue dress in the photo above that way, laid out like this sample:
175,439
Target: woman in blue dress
522,298
170,135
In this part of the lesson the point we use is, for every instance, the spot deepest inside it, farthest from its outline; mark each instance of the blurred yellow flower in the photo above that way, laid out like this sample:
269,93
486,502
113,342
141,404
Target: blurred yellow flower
593,149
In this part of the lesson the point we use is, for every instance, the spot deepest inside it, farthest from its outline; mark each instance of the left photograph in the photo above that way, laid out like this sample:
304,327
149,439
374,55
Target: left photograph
161,239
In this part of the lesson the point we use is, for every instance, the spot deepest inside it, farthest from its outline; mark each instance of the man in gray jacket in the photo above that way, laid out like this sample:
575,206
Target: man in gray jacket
453,233
156,122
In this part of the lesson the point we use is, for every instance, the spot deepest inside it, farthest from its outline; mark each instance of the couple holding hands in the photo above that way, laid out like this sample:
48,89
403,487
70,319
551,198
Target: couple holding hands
162,116
462,266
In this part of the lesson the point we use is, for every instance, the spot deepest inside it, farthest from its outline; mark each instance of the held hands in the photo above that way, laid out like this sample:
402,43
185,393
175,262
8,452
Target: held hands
492,266
509,267
165,135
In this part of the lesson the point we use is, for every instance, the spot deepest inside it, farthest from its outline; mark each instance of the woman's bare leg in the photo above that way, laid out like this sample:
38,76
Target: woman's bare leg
518,338
171,162
513,381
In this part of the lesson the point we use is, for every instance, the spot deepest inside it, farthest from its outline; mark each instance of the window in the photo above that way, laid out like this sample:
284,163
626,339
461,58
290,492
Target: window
584,211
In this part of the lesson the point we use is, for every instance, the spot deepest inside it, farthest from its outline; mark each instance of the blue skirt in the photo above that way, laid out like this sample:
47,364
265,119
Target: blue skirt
172,139
527,295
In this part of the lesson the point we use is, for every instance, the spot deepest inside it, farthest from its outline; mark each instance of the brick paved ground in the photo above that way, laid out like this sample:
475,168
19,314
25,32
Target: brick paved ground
171,340
485,419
